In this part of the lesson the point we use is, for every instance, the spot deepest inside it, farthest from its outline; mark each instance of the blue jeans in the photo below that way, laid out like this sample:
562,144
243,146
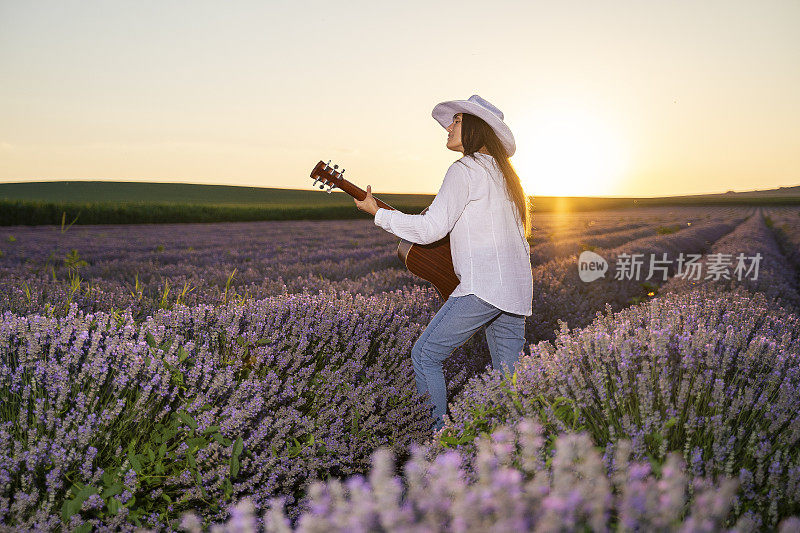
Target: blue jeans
455,322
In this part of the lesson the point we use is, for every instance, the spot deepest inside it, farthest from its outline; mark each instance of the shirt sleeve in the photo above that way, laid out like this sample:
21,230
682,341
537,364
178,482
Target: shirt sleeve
439,218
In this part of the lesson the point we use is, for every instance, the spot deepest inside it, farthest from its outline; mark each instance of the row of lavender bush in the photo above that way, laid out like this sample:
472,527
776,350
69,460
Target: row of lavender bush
516,481
547,251
560,294
764,267
111,423
711,374
574,233
190,264
554,227
785,223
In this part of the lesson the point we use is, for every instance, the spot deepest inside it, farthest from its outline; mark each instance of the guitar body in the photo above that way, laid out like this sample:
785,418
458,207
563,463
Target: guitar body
431,262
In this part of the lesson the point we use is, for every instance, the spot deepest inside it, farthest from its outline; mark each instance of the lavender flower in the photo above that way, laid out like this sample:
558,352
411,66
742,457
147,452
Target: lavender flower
575,493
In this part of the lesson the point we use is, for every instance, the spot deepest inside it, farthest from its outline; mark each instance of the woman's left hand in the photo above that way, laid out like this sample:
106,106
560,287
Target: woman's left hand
368,204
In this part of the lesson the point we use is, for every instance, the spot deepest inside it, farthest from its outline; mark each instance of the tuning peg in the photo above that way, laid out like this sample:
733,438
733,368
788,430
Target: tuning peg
327,165
341,173
330,189
321,186
315,182
335,167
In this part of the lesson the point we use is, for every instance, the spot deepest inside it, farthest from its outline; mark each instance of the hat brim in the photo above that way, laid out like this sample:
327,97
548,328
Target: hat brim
443,113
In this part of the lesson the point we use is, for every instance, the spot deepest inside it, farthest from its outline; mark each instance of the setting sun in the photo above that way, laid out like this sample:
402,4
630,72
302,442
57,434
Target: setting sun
568,152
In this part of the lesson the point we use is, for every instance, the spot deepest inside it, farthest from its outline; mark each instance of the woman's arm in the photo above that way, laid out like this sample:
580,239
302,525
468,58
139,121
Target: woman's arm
439,218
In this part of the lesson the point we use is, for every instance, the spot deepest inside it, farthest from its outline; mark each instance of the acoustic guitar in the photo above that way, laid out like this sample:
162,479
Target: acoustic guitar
431,262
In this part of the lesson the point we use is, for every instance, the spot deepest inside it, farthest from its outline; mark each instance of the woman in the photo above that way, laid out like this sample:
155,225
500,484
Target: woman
482,206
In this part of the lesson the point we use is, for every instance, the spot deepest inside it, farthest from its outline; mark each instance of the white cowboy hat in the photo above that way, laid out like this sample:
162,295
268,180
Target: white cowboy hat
475,105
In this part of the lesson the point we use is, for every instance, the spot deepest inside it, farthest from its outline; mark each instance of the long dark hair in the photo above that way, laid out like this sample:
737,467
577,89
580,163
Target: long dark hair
475,132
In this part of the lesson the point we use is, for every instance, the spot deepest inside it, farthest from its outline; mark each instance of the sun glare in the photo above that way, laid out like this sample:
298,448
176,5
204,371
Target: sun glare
568,152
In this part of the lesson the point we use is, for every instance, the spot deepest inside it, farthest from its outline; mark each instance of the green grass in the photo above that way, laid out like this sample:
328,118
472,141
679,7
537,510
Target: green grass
186,193
666,230
19,212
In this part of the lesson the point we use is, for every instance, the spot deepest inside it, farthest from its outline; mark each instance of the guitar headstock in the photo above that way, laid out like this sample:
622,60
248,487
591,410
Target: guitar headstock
328,175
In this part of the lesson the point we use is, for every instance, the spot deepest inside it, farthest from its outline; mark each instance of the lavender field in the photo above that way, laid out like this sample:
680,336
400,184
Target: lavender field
257,376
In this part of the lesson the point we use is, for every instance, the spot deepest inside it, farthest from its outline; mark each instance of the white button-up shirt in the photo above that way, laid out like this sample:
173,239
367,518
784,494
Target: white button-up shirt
491,257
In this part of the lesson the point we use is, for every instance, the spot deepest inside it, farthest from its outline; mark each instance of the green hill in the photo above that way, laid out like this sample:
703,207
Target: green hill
184,193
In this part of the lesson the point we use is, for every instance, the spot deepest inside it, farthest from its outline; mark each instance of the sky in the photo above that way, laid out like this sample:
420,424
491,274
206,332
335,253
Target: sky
604,98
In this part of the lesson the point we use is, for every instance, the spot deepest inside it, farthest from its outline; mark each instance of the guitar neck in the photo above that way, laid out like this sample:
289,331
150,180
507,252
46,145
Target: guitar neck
359,194
333,178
